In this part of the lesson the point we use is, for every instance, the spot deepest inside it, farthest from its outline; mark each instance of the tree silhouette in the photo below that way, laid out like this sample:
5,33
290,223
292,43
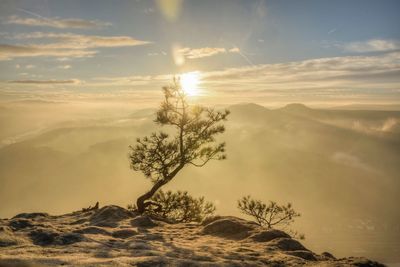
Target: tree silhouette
161,157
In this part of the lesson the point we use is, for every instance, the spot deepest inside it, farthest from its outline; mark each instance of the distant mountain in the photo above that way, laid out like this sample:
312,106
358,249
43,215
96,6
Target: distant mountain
248,107
295,107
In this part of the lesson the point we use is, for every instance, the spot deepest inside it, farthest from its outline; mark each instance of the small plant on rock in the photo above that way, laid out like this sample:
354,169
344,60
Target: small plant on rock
269,215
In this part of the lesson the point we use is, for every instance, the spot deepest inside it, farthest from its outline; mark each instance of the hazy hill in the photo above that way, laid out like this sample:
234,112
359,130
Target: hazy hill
339,168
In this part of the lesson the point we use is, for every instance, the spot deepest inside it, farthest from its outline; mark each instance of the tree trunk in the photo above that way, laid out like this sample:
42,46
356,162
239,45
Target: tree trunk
141,201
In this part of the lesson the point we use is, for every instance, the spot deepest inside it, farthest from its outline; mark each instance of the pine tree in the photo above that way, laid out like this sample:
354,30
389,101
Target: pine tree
161,157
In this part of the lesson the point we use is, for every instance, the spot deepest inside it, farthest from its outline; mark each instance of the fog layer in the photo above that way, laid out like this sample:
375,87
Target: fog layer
339,168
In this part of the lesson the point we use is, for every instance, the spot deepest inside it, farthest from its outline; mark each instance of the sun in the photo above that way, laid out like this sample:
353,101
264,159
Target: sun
190,83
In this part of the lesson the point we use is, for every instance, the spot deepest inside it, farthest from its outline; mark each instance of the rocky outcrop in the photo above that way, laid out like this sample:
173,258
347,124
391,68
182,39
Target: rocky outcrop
143,221
229,227
47,237
114,236
109,216
268,235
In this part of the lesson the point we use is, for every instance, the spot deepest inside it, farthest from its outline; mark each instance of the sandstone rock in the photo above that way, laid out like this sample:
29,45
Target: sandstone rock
7,238
43,237
268,235
124,233
143,221
304,254
31,215
109,216
93,230
69,238
46,237
229,227
328,255
19,223
287,244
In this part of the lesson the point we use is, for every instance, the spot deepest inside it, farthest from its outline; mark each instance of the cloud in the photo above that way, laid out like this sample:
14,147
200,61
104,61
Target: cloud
374,45
71,81
63,45
369,79
351,161
337,69
133,80
390,124
332,31
80,41
181,54
65,67
335,77
194,53
234,50
72,23
8,52
348,79
201,52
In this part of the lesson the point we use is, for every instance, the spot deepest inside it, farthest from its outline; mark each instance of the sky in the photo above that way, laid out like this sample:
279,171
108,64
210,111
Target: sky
317,52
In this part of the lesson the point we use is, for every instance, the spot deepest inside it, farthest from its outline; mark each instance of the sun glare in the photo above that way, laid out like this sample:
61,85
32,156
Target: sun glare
190,83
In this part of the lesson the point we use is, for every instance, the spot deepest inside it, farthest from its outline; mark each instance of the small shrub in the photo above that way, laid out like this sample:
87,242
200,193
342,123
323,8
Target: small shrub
181,207
271,215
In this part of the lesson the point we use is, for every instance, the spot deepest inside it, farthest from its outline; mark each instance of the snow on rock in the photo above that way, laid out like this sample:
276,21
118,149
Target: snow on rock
31,215
286,244
46,237
7,238
143,221
124,233
94,230
17,224
229,227
268,235
109,216
114,236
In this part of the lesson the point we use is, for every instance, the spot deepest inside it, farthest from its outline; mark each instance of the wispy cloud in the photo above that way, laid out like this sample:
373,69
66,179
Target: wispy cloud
332,31
71,81
201,52
65,67
63,45
351,161
60,23
79,41
194,53
374,45
8,52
